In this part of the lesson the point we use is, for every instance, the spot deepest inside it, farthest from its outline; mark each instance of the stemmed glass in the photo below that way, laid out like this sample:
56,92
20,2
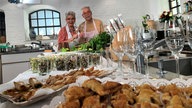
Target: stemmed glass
148,38
189,30
175,38
117,48
130,45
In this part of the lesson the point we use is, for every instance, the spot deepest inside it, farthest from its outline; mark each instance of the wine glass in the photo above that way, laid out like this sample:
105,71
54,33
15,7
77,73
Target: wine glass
189,30
148,38
130,45
117,48
175,38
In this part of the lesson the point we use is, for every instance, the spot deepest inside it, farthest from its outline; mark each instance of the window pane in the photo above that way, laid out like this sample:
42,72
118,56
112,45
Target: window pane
55,15
41,14
173,3
49,31
42,31
179,9
49,22
49,14
34,23
36,31
57,30
34,15
178,2
174,11
56,22
41,22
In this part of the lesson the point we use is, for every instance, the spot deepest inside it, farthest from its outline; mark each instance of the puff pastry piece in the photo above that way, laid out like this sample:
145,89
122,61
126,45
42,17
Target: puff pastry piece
35,83
145,86
74,93
70,104
188,92
172,89
187,103
95,86
166,97
146,105
92,102
147,95
21,86
120,100
112,86
175,102
130,94
120,104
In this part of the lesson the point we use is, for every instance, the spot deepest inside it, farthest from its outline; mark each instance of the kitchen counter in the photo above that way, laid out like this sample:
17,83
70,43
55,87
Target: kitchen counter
21,51
15,62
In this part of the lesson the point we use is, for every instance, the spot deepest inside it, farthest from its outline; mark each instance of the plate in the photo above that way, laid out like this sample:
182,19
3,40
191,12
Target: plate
41,93
44,92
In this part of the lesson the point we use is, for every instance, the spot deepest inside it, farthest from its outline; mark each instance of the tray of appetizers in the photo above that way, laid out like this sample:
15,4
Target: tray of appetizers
25,92
132,93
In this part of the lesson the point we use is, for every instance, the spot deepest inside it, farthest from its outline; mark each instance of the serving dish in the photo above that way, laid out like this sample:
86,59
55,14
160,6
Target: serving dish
51,88
180,83
39,94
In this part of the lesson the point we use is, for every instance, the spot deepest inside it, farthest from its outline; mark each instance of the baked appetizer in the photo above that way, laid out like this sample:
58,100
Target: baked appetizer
21,86
35,83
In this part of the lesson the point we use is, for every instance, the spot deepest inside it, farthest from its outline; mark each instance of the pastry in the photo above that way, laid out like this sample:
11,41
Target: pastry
148,95
95,86
35,83
112,86
74,93
21,86
70,104
92,102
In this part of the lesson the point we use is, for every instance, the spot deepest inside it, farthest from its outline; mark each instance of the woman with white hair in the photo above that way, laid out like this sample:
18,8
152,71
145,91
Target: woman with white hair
68,35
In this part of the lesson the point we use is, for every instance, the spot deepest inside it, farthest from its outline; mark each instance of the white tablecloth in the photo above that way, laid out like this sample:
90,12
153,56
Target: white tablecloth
28,74
45,102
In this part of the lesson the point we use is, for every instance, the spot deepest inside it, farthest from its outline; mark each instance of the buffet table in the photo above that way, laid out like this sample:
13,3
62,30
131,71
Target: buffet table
25,76
50,101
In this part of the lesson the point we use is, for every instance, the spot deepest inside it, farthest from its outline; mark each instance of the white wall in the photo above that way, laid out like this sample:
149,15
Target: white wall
132,11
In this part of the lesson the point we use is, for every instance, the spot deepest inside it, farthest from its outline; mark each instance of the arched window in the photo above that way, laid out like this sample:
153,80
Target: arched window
45,22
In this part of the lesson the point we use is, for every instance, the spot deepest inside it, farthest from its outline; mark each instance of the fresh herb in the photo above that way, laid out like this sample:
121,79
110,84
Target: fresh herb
98,42
64,49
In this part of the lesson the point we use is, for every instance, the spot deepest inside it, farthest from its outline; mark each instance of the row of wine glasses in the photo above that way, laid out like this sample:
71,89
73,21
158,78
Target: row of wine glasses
132,41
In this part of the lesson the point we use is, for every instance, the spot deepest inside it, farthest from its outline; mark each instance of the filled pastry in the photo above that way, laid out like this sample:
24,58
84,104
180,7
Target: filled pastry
35,83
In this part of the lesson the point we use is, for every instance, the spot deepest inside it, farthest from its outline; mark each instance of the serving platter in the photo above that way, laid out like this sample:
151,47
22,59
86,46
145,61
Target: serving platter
46,92
132,82
41,93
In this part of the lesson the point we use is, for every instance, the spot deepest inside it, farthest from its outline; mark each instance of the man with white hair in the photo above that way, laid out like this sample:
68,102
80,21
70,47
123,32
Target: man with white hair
90,27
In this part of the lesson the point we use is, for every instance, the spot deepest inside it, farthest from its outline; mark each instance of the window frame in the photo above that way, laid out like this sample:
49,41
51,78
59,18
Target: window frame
38,26
177,6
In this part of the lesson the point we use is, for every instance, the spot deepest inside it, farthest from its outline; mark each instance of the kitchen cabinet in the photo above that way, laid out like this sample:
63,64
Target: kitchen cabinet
12,65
